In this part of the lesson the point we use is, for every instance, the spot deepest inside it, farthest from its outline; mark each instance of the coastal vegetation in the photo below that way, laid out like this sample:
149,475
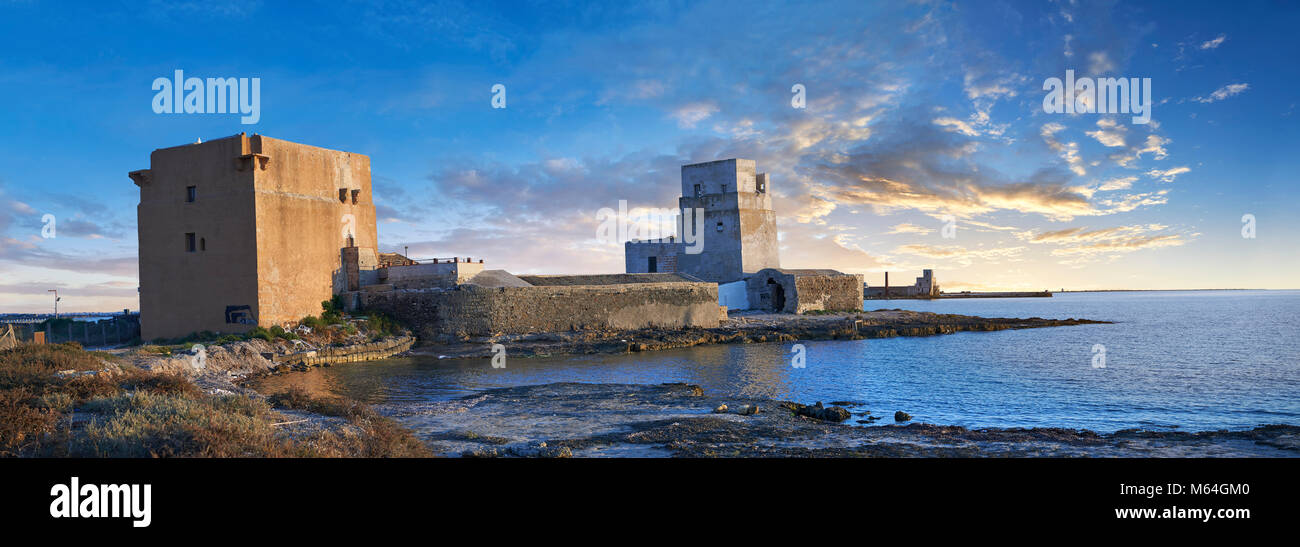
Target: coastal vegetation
333,327
58,400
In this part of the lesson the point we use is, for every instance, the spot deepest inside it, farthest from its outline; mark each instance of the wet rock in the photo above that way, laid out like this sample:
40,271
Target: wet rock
690,389
818,412
901,416
747,410
541,451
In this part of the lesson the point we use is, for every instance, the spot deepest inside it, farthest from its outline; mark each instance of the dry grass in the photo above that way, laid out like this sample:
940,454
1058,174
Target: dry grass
126,412
376,436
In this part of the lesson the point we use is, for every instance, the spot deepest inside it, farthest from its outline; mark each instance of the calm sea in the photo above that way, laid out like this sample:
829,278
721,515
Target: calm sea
1194,360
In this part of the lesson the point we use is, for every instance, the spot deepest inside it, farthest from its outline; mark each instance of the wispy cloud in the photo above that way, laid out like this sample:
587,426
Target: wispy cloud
1082,244
1168,175
689,115
909,228
1069,151
1109,133
1223,93
961,255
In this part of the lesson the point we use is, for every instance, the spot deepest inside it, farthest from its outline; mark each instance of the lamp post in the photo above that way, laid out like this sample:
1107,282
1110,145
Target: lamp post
56,302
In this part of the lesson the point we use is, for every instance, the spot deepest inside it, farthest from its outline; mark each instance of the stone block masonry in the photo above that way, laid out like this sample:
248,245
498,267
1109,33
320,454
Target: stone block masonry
246,230
828,293
802,291
468,310
370,351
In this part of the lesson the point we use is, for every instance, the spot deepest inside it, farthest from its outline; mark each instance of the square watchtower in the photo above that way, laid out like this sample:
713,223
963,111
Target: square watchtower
739,222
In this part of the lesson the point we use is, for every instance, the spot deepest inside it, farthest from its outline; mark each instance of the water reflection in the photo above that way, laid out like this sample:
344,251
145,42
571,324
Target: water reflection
1197,360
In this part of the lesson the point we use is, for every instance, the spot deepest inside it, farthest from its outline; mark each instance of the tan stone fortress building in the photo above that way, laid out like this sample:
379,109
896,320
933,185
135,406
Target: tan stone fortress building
244,230
249,230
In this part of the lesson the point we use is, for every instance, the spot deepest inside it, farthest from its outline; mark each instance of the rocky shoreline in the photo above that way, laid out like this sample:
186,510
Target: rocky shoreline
741,328
680,420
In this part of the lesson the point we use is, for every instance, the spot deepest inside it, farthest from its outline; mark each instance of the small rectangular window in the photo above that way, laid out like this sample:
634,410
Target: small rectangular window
698,191
189,242
190,193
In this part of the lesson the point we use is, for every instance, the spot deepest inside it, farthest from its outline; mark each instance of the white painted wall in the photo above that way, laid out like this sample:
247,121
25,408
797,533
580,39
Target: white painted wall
733,295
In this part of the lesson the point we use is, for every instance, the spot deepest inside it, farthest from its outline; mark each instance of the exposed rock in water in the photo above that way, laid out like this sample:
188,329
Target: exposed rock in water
743,410
818,412
901,416
626,420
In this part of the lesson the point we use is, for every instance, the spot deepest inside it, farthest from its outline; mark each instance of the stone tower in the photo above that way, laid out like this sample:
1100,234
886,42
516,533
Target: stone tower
739,222
247,230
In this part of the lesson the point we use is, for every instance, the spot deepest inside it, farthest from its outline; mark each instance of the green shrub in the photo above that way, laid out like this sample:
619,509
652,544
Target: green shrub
259,332
151,348
332,310
381,325
279,332
314,323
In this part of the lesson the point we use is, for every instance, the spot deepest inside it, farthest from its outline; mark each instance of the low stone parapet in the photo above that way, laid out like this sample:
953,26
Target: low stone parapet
370,351
469,310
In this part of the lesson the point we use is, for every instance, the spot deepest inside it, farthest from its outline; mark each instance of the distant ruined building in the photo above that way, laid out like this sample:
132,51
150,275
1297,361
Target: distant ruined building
925,286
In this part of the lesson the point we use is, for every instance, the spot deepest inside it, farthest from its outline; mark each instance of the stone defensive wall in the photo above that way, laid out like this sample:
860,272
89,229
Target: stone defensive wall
371,351
832,293
471,310
608,279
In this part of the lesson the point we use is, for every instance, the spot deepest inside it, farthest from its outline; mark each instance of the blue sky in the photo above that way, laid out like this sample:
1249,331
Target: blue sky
915,112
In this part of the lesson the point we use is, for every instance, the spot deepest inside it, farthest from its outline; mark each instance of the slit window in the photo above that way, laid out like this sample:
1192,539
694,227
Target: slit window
343,195
354,196
189,242
191,192
203,244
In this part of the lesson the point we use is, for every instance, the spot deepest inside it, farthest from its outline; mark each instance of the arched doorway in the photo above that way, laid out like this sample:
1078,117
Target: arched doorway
778,295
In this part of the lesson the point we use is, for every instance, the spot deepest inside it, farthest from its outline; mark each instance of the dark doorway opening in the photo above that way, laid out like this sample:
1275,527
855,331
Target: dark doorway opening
652,264
778,295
